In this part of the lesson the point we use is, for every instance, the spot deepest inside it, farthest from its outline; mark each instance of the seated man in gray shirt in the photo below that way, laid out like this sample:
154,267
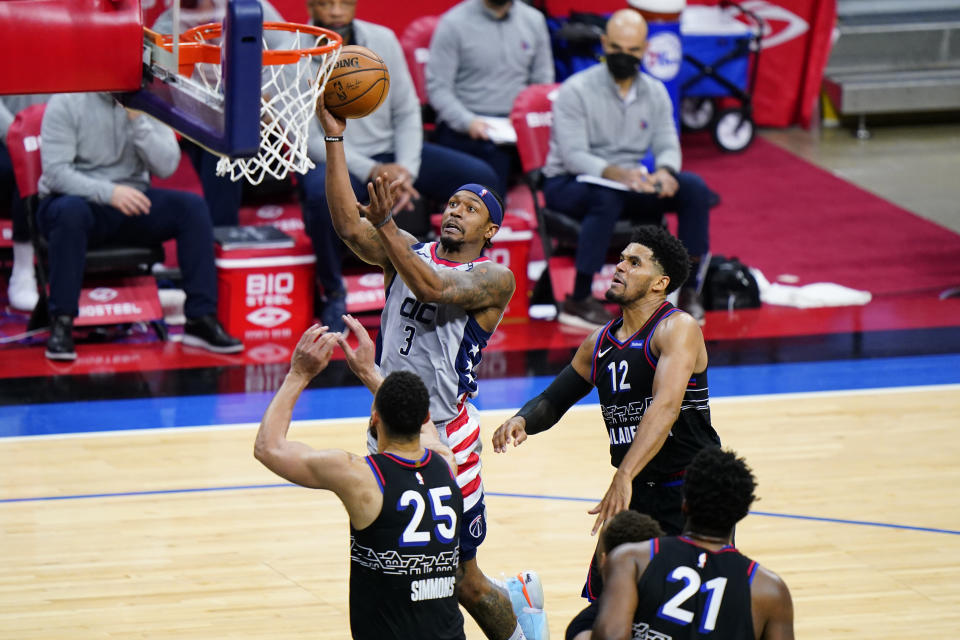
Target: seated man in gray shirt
482,55
605,119
388,142
95,189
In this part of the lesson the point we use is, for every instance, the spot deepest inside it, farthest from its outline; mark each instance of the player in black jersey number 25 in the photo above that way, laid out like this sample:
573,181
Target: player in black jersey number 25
404,504
696,585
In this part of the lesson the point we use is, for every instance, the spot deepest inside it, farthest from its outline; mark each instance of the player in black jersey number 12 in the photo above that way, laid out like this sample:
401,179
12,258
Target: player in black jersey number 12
650,370
696,585
404,504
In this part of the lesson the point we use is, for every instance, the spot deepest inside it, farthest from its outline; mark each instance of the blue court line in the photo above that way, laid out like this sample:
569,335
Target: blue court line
501,393
531,496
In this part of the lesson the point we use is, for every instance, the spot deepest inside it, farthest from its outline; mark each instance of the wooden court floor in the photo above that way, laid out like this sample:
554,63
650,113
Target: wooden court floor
176,559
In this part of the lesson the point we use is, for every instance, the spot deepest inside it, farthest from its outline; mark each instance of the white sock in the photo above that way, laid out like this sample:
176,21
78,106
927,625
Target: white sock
518,634
22,259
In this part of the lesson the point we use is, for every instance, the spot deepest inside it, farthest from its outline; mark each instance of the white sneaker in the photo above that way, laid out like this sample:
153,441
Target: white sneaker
526,598
22,290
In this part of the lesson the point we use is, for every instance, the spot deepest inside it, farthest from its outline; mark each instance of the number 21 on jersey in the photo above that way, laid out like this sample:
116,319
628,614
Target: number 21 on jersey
673,608
443,515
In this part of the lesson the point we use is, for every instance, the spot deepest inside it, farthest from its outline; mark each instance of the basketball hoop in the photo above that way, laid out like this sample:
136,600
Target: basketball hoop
290,86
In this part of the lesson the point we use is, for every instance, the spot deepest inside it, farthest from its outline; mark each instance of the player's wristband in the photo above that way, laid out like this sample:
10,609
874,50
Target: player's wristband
380,224
333,138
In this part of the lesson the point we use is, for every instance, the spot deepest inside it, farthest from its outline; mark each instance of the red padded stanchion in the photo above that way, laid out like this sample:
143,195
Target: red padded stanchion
55,46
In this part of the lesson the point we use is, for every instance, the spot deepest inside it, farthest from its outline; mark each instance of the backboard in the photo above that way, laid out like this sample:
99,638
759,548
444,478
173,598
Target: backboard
58,46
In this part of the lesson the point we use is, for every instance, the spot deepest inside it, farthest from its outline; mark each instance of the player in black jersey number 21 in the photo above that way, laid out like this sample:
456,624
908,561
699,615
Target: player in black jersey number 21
696,585
404,504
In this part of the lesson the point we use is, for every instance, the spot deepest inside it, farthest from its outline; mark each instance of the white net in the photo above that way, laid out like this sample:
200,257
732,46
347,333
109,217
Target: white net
288,97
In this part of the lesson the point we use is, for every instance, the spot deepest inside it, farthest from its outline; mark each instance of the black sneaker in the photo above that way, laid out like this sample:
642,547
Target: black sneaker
60,342
207,333
334,308
689,301
588,313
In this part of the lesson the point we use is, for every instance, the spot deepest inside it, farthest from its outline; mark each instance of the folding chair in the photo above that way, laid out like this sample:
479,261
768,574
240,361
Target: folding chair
532,117
23,142
415,42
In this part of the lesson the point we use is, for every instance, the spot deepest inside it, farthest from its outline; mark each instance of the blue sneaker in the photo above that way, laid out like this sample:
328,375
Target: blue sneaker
526,598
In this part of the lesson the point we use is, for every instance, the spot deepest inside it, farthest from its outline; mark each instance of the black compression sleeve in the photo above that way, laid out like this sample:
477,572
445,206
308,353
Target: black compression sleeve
543,411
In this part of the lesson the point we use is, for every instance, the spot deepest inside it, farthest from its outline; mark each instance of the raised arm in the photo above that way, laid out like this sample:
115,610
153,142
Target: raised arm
344,473
356,232
487,286
156,144
618,602
679,341
546,409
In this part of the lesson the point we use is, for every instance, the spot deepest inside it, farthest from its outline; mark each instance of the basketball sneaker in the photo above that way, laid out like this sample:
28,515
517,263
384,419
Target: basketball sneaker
526,598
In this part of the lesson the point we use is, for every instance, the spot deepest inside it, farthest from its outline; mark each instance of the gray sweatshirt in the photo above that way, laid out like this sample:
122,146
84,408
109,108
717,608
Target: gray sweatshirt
478,63
89,145
395,127
594,127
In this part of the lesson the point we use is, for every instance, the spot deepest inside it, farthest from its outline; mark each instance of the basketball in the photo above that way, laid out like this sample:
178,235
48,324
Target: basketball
358,83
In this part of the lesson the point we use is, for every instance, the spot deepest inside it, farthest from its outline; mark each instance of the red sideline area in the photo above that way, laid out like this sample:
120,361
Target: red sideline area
778,213
786,216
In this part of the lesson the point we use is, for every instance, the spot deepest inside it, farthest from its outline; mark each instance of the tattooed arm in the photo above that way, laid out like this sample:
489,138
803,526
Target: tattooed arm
487,286
355,231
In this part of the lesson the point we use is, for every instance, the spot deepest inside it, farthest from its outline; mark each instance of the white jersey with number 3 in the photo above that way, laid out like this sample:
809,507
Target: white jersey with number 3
443,344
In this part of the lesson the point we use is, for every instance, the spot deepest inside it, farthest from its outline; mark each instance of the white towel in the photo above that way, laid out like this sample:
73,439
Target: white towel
818,294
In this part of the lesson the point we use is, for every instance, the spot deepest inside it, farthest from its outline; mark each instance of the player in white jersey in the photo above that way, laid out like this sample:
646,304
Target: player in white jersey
443,302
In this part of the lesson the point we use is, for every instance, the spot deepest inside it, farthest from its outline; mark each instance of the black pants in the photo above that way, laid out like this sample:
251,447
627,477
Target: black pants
71,224
10,194
598,208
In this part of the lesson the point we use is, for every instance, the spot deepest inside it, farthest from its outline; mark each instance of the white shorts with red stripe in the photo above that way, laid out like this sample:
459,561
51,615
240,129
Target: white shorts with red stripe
462,435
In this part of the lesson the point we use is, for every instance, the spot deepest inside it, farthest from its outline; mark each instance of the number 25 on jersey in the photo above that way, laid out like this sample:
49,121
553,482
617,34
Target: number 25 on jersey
444,517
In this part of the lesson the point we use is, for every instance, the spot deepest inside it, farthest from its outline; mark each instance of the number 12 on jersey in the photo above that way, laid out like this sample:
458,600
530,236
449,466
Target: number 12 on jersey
624,385
673,610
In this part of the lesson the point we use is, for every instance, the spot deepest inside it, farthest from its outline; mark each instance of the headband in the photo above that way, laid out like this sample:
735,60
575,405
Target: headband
496,211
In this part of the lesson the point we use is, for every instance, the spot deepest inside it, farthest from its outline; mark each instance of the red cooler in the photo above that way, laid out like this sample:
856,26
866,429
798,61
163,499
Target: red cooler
511,248
265,294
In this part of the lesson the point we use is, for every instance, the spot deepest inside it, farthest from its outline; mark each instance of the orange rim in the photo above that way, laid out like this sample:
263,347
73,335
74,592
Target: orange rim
195,49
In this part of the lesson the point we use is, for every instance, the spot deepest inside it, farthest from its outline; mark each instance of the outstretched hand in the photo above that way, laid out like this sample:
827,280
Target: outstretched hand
361,359
513,429
331,124
312,354
617,499
383,196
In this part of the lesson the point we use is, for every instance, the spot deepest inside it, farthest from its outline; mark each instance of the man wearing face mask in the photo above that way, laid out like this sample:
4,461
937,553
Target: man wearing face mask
605,119
388,142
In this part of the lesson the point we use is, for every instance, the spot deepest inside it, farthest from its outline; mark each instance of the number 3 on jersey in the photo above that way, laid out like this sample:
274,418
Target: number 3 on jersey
444,516
408,339
673,610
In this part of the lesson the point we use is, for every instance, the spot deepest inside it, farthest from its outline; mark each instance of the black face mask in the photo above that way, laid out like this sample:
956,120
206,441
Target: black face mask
622,65
345,32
